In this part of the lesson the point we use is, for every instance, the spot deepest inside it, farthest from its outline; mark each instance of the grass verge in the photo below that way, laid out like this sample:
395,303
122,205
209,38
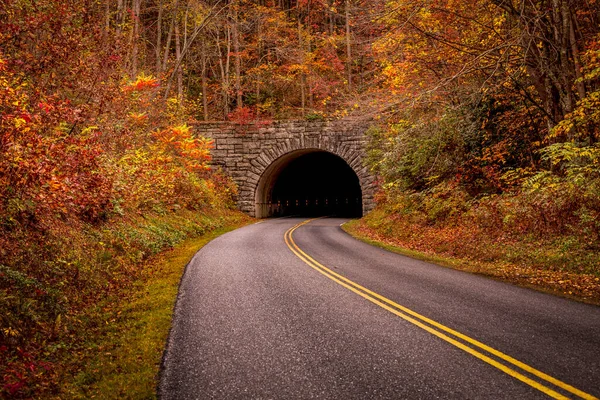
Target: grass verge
127,350
584,287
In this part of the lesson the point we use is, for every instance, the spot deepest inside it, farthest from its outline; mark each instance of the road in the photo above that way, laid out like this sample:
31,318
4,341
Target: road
289,310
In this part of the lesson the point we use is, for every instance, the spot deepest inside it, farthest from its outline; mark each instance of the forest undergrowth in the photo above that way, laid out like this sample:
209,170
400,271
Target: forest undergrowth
528,240
99,173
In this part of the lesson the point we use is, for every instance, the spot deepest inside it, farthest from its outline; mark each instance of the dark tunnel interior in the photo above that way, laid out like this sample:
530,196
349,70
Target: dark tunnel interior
317,184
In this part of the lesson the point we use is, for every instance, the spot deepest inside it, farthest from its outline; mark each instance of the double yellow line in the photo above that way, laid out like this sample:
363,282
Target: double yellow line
476,348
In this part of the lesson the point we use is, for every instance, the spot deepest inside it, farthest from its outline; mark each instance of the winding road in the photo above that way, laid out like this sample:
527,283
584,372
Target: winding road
295,309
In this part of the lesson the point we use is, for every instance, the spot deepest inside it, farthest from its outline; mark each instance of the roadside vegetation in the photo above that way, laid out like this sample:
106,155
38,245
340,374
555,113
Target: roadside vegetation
122,355
497,167
557,264
99,173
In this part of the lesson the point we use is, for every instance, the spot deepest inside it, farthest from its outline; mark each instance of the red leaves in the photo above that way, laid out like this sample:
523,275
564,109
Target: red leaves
45,106
20,369
242,115
26,116
12,387
47,168
58,174
246,117
114,58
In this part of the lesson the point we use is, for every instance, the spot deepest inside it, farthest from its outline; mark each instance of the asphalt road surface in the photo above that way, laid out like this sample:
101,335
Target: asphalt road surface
270,311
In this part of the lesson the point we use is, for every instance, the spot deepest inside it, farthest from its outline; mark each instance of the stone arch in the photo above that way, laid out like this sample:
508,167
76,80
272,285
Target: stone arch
244,152
266,167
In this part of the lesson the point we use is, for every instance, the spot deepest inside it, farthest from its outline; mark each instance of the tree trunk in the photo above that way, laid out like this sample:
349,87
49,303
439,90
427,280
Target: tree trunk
179,71
204,82
302,74
259,58
185,24
581,90
159,38
170,36
309,48
238,62
348,47
567,76
107,18
224,66
136,37
120,16
550,42
331,17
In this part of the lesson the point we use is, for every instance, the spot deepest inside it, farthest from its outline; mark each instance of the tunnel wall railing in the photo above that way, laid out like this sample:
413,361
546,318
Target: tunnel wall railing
348,207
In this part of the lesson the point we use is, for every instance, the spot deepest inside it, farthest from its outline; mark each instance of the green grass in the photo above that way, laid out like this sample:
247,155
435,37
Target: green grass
128,349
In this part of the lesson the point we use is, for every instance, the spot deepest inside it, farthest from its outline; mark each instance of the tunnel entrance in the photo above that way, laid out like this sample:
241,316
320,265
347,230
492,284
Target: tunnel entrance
309,183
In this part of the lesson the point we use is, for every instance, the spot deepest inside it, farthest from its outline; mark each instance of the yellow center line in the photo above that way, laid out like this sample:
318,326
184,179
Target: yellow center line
408,314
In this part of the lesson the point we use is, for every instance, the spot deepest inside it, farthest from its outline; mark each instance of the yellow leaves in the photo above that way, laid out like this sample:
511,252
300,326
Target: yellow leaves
88,131
10,332
181,131
266,106
295,69
398,127
583,122
19,122
425,13
499,21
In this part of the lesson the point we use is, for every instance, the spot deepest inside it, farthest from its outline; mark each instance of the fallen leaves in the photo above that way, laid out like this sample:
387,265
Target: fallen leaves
469,249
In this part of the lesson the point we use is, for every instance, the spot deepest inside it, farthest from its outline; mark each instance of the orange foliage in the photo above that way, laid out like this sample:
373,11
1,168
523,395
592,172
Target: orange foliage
141,83
81,148
192,153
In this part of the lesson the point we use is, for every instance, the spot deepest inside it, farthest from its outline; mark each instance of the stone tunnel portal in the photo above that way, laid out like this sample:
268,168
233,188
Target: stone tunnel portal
309,182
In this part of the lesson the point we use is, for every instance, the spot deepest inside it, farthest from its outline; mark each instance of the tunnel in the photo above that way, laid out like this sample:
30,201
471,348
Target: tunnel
309,183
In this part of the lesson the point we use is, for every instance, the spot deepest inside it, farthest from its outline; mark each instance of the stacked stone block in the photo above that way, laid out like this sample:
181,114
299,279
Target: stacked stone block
245,151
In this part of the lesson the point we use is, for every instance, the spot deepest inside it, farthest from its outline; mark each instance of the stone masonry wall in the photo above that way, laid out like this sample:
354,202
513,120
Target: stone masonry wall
245,151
